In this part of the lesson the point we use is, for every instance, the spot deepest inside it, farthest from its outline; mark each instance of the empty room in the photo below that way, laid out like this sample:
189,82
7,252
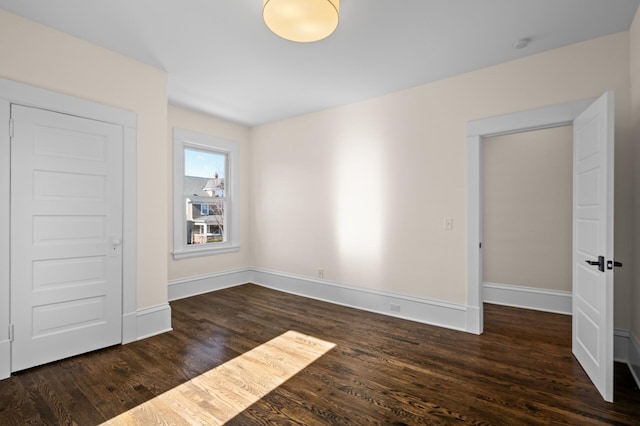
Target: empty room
319,212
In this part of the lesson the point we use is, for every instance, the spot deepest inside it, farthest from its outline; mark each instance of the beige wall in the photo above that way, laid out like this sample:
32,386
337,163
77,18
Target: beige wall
46,58
635,114
188,120
527,192
362,190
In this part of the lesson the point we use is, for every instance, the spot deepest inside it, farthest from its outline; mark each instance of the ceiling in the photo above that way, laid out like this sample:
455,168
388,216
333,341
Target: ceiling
222,60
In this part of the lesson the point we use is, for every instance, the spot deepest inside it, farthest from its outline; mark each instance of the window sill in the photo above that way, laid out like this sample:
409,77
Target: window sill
205,251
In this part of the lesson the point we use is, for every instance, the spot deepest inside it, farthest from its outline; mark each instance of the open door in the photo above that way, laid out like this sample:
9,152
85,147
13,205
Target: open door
593,162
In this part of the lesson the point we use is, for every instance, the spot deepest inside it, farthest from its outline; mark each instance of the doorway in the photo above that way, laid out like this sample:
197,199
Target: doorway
66,236
549,117
592,224
527,217
13,93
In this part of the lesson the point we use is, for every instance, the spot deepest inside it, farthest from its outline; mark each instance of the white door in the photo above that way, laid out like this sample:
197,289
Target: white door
66,230
593,156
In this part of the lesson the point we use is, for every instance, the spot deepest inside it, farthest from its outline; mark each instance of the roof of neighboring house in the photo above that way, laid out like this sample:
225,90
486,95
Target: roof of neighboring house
198,186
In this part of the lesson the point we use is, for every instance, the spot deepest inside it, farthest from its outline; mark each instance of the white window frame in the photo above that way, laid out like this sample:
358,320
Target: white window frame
186,139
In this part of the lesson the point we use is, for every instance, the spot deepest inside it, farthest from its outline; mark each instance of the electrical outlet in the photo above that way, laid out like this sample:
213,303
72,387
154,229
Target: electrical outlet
320,273
448,224
395,307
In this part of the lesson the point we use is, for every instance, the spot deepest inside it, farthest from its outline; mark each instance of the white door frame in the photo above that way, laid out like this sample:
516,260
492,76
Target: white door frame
542,118
18,93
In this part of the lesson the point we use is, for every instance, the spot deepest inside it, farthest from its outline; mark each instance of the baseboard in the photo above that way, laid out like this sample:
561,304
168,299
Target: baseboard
558,302
634,357
153,321
425,311
5,359
179,289
475,323
129,327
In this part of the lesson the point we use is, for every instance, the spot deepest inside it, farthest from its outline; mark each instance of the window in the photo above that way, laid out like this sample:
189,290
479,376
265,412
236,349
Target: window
205,213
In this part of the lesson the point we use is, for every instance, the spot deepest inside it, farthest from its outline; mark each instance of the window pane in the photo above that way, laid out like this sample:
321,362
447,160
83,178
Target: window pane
204,192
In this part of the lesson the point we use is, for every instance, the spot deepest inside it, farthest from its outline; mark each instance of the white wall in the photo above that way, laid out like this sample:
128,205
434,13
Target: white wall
43,57
200,266
362,190
527,192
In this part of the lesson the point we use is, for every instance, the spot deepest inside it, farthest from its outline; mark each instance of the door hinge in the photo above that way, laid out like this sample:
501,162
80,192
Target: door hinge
11,127
11,332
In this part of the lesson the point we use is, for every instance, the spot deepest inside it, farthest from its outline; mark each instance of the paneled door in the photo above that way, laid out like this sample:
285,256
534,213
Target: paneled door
66,232
593,149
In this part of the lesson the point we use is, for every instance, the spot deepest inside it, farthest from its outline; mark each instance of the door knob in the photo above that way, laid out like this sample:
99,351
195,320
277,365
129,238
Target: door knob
113,248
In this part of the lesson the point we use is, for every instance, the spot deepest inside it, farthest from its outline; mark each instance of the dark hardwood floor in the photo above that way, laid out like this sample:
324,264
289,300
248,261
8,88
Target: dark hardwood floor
382,371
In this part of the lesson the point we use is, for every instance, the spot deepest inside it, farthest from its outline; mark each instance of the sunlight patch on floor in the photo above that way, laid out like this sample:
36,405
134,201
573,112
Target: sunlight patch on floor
218,395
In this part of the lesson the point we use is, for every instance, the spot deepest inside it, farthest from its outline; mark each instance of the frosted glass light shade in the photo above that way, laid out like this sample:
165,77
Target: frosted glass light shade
301,20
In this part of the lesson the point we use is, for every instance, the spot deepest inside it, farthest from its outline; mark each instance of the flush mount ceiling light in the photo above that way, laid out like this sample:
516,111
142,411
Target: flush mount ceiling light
302,21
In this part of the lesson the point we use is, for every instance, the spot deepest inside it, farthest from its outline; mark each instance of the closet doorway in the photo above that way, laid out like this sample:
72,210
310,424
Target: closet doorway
526,210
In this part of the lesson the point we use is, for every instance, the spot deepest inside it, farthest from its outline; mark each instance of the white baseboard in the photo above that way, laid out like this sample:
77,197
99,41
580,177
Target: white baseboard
153,321
554,301
426,311
179,289
416,309
5,359
475,322
634,357
129,327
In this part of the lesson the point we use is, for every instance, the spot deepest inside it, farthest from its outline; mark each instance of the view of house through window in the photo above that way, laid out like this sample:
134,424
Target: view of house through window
204,195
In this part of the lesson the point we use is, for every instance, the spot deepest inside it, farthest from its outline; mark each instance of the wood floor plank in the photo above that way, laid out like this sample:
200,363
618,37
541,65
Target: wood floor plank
382,371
